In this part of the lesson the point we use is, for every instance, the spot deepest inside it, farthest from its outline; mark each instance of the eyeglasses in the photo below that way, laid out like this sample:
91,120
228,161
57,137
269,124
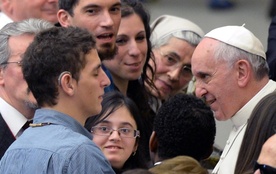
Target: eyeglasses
123,132
172,61
19,63
264,169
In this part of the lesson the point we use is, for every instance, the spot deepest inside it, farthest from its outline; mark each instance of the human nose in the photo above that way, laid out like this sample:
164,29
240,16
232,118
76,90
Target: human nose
107,20
174,73
134,49
105,80
200,91
115,135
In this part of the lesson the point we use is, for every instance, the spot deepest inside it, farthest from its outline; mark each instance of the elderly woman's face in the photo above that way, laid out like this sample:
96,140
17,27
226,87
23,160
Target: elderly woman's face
173,67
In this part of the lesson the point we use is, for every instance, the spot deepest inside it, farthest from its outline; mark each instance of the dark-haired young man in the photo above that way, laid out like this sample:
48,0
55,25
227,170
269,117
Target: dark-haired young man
63,70
100,17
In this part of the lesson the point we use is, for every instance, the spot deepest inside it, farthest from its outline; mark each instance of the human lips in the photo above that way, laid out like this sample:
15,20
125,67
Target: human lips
113,147
137,66
209,102
165,86
50,10
105,36
101,96
133,64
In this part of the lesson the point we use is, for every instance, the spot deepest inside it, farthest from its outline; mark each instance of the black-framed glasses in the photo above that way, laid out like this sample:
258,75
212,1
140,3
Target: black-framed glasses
264,169
18,62
123,132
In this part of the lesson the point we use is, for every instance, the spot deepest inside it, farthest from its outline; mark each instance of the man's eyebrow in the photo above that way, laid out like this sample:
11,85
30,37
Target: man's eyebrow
91,5
117,4
97,67
173,54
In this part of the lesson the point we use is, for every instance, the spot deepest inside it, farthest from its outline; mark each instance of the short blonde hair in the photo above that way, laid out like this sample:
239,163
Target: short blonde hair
179,165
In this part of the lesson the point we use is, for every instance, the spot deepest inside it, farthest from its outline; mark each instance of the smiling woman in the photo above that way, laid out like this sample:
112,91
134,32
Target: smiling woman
173,40
118,132
127,70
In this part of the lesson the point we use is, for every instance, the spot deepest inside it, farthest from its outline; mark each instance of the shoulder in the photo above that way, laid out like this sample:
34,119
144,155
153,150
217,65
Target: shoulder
88,157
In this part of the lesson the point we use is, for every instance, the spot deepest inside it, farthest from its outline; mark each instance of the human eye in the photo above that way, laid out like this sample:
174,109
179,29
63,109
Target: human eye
125,131
104,129
96,73
97,70
116,9
121,40
186,70
204,77
140,38
91,10
170,60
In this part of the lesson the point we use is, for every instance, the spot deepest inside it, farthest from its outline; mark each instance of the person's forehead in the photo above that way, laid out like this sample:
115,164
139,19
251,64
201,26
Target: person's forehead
208,43
21,42
98,3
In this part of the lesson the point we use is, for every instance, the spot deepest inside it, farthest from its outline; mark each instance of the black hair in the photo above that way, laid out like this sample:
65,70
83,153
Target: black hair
184,125
136,88
68,5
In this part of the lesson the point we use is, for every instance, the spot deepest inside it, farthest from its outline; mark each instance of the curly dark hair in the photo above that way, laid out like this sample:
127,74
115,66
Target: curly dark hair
52,52
184,125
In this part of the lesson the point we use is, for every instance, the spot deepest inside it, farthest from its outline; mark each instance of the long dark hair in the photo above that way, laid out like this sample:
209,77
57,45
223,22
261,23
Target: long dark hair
130,7
111,102
261,126
136,88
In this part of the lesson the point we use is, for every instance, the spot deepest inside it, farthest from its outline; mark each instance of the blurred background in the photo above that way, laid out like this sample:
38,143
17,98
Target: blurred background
254,13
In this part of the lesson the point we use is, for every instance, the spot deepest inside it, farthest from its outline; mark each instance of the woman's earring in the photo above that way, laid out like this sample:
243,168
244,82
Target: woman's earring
133,153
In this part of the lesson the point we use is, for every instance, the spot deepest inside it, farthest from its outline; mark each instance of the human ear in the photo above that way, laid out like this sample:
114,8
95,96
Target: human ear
244,71
2,81
65,81
63,18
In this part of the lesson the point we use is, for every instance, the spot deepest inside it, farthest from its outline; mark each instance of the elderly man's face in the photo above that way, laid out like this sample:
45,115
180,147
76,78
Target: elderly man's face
215,81
14,88
25,9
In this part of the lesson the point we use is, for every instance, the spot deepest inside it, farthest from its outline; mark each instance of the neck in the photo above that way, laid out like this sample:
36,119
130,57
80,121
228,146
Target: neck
70,110
121,84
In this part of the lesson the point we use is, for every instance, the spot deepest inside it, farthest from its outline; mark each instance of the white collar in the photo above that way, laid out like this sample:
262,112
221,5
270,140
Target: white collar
4,19
241,117
14,119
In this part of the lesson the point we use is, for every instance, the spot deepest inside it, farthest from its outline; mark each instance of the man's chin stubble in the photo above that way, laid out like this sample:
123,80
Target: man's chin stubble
108,53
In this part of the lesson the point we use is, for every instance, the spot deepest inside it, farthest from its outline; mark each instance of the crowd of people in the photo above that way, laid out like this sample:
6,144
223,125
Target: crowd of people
92,86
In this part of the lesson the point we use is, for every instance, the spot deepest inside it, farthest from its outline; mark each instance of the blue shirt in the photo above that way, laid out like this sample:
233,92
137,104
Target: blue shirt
64,146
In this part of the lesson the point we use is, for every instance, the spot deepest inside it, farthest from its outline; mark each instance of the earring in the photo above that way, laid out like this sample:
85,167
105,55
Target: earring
133,154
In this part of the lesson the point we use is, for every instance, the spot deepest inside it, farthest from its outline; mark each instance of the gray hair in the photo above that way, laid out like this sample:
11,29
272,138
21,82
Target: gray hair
29,26
188,36
231,55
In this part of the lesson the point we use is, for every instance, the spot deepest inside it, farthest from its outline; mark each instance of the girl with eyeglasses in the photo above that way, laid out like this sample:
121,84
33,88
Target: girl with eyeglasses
117,130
